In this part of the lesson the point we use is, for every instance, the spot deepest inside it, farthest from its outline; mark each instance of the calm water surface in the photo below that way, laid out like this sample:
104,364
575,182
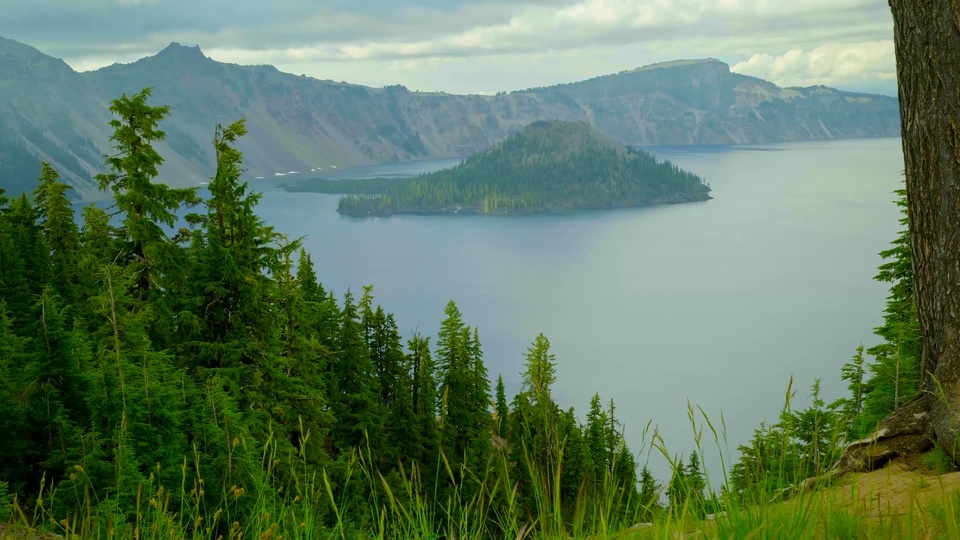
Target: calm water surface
719,303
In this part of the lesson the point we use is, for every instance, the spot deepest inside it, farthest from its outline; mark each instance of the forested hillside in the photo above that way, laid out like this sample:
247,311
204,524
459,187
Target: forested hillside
202,382
211,372
547,166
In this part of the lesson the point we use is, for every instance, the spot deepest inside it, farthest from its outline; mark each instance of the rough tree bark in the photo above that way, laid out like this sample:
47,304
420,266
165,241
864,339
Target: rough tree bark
927,41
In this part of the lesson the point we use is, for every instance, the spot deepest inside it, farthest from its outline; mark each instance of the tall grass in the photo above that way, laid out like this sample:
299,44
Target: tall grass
479,504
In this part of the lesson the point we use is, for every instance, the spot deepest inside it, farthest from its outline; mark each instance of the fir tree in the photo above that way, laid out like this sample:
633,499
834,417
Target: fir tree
24,269
596,439
18,454
60,232
145,206
464,394
359,417
502,411
695,483
649,495
135,392
678,489
424,401
300,393
60,375
895,373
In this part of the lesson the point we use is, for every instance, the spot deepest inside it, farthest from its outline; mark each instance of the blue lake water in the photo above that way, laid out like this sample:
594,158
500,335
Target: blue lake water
719,303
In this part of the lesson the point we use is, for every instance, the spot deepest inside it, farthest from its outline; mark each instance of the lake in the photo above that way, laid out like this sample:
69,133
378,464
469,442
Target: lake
719,303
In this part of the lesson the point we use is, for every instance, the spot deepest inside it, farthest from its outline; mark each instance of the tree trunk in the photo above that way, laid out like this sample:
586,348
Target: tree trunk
927,40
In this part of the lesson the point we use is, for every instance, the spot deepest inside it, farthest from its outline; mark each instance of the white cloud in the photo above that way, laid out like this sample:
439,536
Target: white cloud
833,64
519,43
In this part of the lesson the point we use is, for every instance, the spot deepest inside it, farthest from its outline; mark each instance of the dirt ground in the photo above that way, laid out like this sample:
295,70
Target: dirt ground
893,489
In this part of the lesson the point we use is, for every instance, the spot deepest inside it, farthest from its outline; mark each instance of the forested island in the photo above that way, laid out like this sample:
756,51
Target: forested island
547,166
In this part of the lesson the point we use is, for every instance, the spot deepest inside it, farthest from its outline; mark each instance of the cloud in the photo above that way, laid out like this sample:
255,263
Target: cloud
833,64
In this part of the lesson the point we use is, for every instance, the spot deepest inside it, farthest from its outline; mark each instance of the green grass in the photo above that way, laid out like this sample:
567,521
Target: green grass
312,506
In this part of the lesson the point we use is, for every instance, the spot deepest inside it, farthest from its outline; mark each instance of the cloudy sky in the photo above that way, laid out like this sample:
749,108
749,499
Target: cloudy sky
477,45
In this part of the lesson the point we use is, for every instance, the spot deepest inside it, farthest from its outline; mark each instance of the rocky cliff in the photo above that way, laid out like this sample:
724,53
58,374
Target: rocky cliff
297,123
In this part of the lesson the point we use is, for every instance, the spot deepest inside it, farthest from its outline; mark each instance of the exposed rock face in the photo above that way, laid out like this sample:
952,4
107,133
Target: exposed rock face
50,112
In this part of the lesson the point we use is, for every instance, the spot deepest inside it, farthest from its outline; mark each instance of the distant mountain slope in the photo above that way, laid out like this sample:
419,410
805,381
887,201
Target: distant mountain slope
298,123
546,166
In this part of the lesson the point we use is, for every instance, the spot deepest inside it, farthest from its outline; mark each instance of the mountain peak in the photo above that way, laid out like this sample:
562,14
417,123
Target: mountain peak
20,60
9,46
570,135
684,63
181,52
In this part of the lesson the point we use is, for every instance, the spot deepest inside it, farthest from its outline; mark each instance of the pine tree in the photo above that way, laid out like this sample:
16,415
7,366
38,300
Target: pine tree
895,373
540,370
300,393
145,206
136,395
60,375
60,232
464,394
424,401
18,454
649,495
596,439
356,408
695,483
538,376
229,284
24,268
502,411
321,307
851,408
678,489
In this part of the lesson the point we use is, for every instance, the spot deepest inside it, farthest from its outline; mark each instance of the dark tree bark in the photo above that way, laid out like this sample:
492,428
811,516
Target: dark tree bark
927,40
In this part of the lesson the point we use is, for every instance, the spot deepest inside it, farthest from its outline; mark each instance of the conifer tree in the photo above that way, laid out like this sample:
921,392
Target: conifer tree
321,307
24,268
301,389
503,411
136,393
60,386
60,232
851,408
145,206
424,401
678,489
17,454
695,483
895,373
649,495
355,407
233,252
464,393
596,440
538,376
97,249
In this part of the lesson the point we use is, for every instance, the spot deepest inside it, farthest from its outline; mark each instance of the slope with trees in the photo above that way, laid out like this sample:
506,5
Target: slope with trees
199,364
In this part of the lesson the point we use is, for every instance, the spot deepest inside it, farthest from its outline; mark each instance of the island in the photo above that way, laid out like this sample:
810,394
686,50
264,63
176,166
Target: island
546,166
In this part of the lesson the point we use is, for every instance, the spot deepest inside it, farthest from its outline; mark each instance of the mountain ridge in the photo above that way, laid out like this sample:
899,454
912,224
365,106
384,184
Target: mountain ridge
300,123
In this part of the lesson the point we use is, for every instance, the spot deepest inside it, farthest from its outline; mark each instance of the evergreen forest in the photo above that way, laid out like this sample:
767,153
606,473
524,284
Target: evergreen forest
546,166
198,366
190,377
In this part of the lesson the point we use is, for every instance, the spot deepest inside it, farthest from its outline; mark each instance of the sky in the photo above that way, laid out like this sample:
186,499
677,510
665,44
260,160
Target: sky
477,46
